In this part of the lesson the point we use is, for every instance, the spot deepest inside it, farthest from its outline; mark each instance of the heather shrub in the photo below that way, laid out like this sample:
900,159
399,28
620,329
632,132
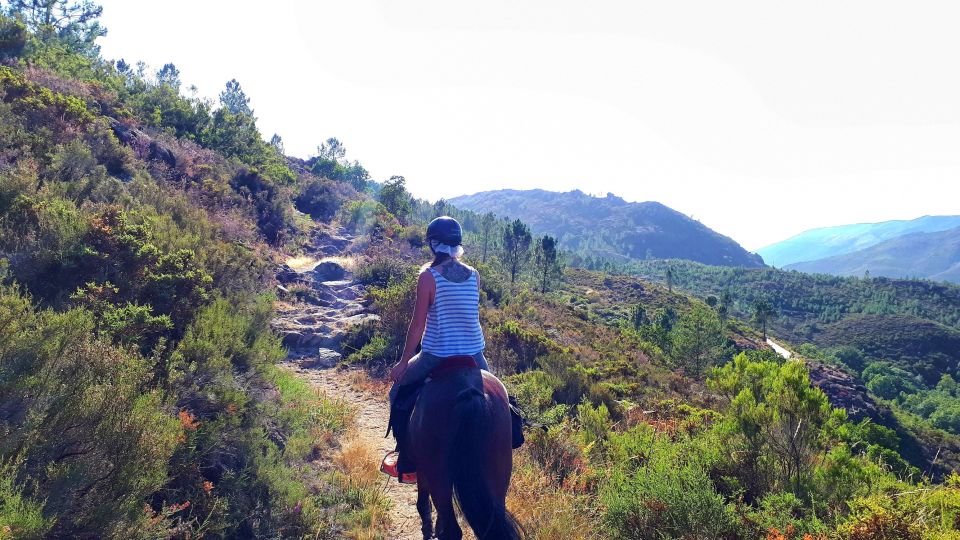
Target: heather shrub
665,492
319,198
91,443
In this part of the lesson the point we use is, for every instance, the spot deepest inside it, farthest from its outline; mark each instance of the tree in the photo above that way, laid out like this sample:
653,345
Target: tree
516,247
168,75
697,339
235,100
638,316
762,313
486,228
277,142
13,37
670,279
547,261
440,208
395,197
74,22
356,176
332,150
777,419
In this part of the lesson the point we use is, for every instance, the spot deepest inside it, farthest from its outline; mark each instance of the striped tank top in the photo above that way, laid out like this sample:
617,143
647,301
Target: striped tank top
453,321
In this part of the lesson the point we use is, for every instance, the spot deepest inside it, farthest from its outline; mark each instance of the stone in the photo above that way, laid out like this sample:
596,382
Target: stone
287,275
844,391
329,271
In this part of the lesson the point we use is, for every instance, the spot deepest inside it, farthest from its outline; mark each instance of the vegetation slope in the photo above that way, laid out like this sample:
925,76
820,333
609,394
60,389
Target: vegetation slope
139,395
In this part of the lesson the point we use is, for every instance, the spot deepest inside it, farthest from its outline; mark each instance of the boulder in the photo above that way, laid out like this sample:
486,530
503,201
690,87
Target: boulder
329,271
325,358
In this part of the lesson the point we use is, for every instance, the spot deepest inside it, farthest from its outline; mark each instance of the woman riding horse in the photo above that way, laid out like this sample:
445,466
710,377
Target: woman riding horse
460,434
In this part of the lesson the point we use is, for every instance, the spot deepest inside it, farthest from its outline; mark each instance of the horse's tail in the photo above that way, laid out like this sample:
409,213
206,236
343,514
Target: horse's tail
485,512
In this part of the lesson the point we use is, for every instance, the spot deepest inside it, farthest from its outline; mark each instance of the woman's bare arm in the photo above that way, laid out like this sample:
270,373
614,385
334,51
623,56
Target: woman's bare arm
426,289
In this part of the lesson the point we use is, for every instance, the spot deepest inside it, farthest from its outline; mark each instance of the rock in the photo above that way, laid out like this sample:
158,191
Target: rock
138,140
329,244
325,358
162,153
844,391
329,271
287,275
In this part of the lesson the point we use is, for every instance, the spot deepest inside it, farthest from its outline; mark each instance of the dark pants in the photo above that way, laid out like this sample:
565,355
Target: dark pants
420,366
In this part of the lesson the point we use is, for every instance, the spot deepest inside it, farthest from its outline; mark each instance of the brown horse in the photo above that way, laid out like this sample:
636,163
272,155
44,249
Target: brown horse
461,441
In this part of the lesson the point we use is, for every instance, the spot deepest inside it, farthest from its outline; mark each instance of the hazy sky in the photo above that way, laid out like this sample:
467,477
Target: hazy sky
760,119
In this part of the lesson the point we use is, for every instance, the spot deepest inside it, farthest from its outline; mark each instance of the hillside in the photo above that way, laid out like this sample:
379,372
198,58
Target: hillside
920,346
195,330
932,255
832,241
612,227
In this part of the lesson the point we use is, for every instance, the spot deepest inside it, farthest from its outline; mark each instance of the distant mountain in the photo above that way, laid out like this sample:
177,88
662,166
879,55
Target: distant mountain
832,241
933,255
612,227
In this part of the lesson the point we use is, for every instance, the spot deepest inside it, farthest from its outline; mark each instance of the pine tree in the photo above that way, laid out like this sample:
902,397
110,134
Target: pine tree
74,22
516,247
547,262
486,228
235,100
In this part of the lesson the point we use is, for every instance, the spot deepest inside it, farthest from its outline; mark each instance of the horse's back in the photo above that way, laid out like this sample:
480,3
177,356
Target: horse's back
437,420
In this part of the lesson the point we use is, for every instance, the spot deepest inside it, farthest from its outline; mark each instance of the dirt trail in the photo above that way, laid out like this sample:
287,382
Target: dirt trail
313,327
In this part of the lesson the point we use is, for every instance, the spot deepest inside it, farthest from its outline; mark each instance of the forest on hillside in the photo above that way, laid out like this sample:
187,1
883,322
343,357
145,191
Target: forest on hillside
140,395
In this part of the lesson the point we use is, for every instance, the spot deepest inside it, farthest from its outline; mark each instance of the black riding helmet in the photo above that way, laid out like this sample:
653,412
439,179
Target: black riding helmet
445,230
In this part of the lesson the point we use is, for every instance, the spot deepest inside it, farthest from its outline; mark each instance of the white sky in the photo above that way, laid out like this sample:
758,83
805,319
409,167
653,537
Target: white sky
761,119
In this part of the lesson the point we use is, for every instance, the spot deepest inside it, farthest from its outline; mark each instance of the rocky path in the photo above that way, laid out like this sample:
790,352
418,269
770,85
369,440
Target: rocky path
323,303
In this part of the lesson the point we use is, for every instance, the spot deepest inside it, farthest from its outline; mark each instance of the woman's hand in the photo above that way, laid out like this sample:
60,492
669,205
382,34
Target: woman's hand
398,370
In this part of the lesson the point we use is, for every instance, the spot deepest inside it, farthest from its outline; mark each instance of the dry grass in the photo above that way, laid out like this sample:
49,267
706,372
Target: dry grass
305,264
545,510
361,380
357,464
358,460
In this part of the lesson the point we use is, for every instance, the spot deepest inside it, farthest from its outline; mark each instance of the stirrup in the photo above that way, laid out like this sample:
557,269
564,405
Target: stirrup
389,467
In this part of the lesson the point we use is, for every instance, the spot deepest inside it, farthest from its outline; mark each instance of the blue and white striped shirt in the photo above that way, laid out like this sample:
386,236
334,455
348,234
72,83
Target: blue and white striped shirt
453,321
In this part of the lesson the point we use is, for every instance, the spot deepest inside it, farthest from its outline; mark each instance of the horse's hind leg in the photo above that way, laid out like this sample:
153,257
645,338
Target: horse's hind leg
447,526
424,509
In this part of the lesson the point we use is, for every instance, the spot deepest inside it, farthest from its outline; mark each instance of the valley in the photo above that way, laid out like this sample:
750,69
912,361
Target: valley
196,330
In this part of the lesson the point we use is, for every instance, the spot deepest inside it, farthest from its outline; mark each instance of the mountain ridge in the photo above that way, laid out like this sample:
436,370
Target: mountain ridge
824,242
612,227
928,255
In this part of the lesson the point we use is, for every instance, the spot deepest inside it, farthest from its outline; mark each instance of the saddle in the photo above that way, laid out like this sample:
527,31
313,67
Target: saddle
399,463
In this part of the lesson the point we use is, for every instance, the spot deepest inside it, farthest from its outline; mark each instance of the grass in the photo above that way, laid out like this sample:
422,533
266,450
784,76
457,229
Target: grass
546,511
323,454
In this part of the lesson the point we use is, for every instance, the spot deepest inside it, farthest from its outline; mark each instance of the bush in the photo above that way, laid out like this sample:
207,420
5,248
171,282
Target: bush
384,270
320,199
92,442
666,499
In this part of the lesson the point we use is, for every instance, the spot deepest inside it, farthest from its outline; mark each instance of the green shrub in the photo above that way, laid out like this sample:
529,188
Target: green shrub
320,199
665,499
384,270
93,441
20,516
375,355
